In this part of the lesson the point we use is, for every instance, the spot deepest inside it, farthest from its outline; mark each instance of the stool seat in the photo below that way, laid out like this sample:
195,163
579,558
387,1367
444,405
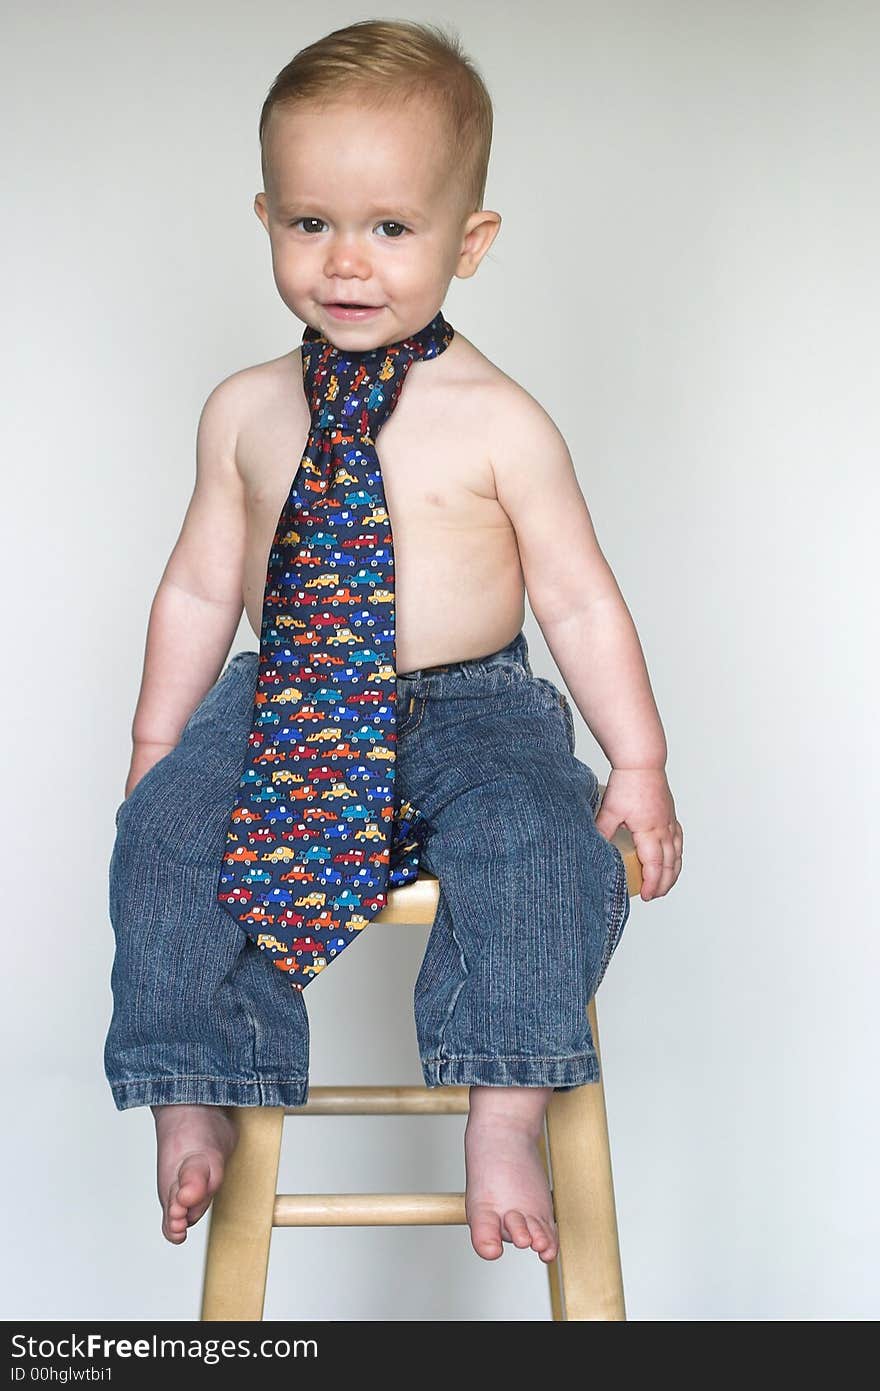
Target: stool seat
417,902
585,1279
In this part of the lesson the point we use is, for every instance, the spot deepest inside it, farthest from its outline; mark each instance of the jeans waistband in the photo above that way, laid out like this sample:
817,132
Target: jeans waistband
515,651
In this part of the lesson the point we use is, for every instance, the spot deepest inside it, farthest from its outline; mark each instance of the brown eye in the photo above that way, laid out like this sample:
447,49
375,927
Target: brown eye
393,224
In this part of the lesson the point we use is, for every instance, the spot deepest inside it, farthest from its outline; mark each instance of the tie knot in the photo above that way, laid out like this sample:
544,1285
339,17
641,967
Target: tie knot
356,391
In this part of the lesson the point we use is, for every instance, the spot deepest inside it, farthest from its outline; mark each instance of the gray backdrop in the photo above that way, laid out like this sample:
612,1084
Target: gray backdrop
686,278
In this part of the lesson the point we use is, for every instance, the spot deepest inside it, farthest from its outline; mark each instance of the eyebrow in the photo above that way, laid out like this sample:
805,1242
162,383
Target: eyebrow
408,214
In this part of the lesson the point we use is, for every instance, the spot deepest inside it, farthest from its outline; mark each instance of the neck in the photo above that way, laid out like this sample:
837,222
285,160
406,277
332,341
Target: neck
437,323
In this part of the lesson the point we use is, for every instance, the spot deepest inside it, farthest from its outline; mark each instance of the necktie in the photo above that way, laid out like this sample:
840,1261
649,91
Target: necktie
315,837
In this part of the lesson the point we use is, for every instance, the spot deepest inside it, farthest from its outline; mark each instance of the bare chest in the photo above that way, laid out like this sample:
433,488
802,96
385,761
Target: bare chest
451,536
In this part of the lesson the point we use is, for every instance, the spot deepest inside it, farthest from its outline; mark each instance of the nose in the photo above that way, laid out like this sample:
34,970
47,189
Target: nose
346,258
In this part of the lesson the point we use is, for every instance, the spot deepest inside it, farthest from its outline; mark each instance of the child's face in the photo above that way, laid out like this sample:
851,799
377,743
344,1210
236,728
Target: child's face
361,207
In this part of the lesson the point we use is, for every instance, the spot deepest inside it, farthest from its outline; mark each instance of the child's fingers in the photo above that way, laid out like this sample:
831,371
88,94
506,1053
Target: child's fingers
661,864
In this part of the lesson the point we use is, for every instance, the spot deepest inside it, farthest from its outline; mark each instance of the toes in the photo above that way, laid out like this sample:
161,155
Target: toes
197,1213
189,1197
517,1228
539,1233
175,1214
175,1210
486,1235
175,1223
194,1178
548,1251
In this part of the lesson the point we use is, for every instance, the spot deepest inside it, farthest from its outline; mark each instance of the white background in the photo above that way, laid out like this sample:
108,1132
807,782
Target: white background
686,278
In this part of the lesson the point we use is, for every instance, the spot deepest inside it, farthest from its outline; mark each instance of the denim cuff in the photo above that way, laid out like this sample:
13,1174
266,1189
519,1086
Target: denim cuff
208,1091
563,1074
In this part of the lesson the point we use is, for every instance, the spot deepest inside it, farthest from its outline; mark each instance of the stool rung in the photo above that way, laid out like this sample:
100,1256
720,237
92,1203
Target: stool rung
384,1101
585,1280
368,1210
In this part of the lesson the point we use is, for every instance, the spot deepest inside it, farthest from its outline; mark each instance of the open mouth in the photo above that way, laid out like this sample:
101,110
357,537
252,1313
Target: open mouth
351,311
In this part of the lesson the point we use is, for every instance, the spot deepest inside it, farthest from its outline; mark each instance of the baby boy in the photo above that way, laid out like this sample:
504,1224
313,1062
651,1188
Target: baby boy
375,145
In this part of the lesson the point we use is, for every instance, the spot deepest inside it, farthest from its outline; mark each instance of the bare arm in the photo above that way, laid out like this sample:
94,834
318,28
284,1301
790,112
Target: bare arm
590,632
571,588
199,601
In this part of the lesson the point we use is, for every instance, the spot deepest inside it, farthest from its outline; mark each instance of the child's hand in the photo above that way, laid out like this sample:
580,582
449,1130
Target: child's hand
142,760
640,799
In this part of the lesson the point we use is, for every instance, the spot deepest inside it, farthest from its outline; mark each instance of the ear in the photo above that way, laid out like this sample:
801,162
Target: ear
261,209
480,231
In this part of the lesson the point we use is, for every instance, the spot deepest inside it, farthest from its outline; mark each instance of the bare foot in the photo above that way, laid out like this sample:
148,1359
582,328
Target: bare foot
193,1143
508,1196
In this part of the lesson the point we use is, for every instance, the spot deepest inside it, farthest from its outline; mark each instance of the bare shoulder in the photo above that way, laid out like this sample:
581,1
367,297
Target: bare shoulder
465,367
250,388
518,428
243,407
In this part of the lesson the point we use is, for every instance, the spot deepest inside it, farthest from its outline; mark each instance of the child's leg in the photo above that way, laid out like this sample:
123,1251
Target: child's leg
533,902
201,1020
200,1016
533,899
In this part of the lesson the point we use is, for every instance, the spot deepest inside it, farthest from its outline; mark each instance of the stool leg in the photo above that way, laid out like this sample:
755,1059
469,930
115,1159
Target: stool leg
552,1266
583,1195
237,1256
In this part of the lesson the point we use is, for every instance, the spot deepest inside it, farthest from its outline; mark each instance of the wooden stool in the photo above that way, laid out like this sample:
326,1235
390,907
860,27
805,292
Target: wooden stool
586,1281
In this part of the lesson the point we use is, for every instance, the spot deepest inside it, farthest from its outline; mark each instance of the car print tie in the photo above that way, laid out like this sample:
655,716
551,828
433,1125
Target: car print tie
315,838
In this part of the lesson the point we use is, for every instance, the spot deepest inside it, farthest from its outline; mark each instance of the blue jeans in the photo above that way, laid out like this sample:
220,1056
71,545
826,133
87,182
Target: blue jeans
533,900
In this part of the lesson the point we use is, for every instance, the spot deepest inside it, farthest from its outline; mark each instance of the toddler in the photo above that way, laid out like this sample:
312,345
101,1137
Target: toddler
375,144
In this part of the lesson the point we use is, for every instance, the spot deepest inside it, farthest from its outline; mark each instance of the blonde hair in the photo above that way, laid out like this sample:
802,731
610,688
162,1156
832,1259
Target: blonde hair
376,60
